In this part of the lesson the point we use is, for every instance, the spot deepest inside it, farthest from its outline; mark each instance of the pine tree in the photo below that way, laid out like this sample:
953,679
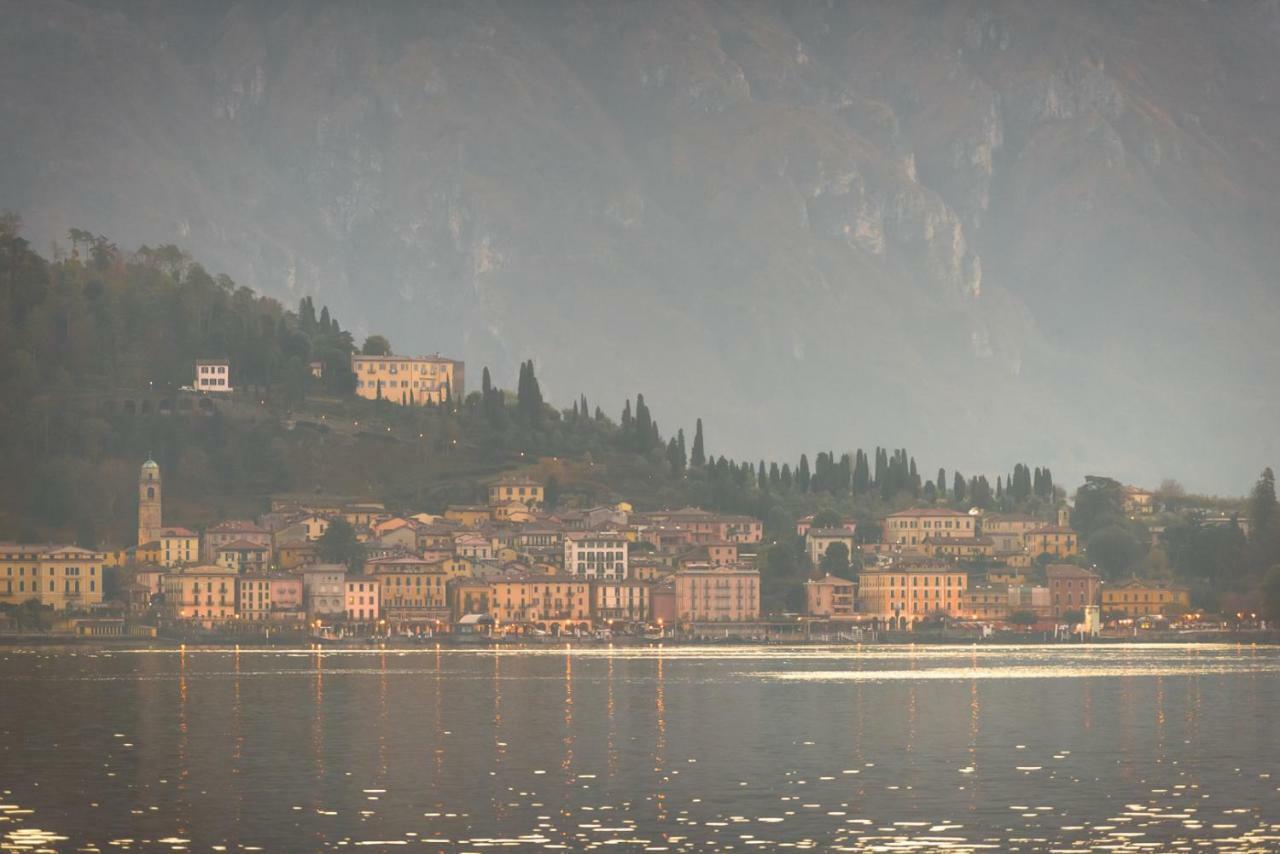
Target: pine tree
698,457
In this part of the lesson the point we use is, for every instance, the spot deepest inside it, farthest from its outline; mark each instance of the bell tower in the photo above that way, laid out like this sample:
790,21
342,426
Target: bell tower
149,523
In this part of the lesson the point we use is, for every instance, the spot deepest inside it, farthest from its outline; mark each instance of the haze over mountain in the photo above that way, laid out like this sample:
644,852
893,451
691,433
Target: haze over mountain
988,231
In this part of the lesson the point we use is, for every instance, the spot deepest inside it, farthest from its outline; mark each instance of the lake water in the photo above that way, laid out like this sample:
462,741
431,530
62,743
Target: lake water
833,748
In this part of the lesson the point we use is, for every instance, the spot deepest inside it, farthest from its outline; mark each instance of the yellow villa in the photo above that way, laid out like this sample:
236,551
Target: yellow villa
525,490
1054,540
64,577
1141,598
912,527
409,380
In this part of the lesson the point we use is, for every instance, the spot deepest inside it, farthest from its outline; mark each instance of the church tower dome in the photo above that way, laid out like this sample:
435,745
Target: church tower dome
149,516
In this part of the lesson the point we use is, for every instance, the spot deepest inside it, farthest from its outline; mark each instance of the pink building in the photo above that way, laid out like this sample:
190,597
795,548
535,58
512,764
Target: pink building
233,530
830,597
717,594
362,599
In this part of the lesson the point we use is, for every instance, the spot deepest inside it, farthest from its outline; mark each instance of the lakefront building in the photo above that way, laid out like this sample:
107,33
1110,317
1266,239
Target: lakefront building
409,380
716,594
62,577
900,597
1138,597
595,554
1071,588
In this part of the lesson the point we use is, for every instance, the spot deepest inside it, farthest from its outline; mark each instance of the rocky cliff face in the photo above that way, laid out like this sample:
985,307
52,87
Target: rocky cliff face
984,229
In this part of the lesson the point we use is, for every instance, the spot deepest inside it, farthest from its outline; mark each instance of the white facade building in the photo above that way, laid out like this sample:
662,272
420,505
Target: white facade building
595,554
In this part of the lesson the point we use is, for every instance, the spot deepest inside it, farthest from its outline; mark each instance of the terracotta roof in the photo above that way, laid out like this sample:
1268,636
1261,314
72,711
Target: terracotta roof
916,512
242,545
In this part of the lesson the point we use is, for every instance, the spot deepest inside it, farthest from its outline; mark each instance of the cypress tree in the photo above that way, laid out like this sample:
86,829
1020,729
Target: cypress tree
957,488
698,458
644,425
802,474
942,482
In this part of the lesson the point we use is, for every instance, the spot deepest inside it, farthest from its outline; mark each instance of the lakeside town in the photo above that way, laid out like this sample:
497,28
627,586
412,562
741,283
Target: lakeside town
344,568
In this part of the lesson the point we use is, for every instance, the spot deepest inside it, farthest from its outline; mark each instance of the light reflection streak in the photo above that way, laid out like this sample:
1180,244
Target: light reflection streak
611,745
317,716
567,764
382,717
660,737
184,803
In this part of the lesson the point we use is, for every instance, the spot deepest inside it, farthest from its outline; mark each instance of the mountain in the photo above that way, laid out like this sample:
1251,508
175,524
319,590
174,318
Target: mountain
991,230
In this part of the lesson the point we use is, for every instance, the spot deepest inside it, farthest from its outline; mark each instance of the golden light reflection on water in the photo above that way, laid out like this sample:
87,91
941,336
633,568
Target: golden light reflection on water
317,714
567,763
611,736
1066,790
184,767
383,727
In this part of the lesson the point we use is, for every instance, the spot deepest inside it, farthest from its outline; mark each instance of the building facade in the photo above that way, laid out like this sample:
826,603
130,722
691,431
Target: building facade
525,490
901,597
62,577
830,597
546,602
213,375
1140,597
1071,588
715,594
363,599
912,527
179,546
1053,540
625,601
205,594
409,380
595,555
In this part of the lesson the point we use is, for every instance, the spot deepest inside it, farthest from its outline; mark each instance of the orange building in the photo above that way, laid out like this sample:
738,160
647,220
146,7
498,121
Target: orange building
715,594
900,596
546,602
